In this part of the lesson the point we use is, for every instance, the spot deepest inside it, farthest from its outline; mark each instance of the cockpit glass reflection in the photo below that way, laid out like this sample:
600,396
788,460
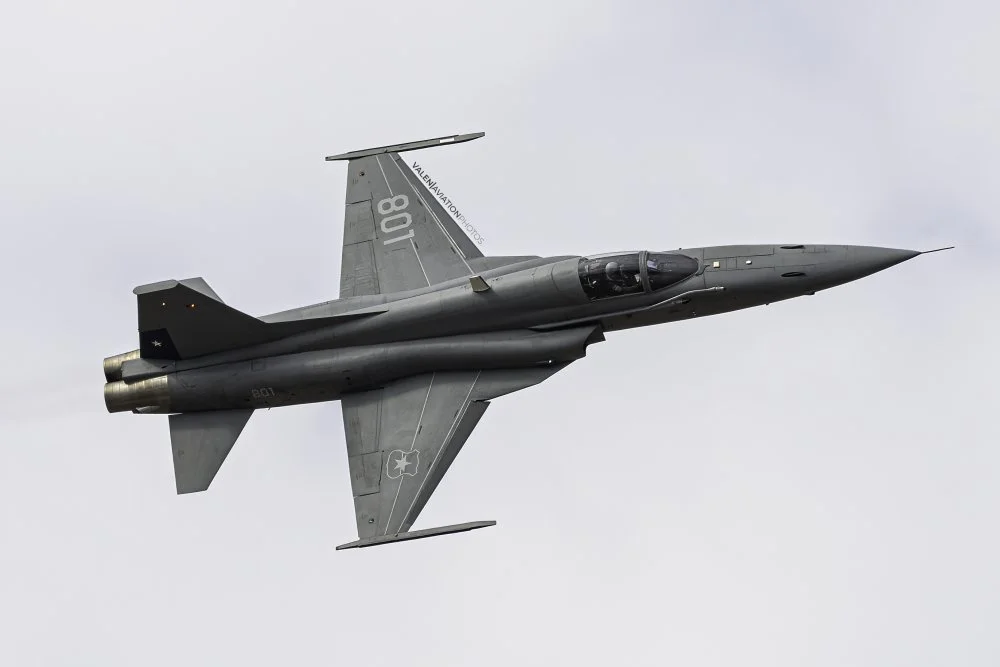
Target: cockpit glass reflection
630,273
613,275
666,269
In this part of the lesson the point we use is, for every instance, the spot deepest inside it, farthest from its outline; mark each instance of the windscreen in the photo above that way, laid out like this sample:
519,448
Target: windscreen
666,269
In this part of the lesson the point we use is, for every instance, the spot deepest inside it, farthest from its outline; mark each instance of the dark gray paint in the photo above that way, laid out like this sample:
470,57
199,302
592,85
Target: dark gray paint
425,334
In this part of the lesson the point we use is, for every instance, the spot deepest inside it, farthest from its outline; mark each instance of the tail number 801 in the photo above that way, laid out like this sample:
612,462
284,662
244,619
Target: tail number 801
395,218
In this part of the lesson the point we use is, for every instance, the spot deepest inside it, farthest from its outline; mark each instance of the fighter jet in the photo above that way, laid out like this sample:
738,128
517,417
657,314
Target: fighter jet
426,332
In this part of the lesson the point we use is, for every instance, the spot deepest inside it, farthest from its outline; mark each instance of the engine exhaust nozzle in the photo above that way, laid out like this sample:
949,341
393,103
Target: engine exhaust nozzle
113,365
151,393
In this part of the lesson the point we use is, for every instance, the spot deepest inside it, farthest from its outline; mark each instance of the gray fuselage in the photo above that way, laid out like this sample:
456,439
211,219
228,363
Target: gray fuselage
533,311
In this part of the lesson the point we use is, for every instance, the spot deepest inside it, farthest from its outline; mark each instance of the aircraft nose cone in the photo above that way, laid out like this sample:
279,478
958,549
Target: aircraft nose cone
866,260
848,263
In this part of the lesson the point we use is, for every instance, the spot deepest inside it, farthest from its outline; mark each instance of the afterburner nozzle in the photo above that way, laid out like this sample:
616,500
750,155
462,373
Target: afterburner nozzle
113,365
152,393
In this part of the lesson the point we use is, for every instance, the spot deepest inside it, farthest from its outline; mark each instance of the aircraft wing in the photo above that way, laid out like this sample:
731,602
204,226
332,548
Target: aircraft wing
397,234
402,439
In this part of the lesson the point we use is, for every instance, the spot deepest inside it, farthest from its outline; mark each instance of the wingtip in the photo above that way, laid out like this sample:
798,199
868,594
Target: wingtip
416,534
408,146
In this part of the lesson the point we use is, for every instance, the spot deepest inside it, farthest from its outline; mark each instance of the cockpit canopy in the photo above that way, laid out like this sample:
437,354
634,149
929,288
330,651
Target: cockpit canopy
633,273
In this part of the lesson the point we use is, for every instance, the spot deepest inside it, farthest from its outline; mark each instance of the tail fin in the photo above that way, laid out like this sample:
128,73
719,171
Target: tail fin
182,319
201,441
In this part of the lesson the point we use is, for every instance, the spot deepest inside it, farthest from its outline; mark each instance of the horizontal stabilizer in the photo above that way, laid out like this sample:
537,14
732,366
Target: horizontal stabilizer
416,534
409,146
201,441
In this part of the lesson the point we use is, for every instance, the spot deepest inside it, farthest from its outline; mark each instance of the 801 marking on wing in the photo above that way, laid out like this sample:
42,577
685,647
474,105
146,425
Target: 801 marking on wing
398,221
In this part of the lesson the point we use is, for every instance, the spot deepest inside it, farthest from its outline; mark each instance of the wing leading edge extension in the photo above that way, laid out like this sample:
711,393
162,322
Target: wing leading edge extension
401,440
397,236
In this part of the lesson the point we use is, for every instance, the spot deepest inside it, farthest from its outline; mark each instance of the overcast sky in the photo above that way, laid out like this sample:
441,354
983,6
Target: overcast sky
810,483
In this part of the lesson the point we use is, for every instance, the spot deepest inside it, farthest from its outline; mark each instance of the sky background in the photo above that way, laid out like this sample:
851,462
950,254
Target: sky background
810,483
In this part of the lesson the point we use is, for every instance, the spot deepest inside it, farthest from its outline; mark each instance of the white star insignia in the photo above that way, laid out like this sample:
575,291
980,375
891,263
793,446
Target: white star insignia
157,343
402,463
